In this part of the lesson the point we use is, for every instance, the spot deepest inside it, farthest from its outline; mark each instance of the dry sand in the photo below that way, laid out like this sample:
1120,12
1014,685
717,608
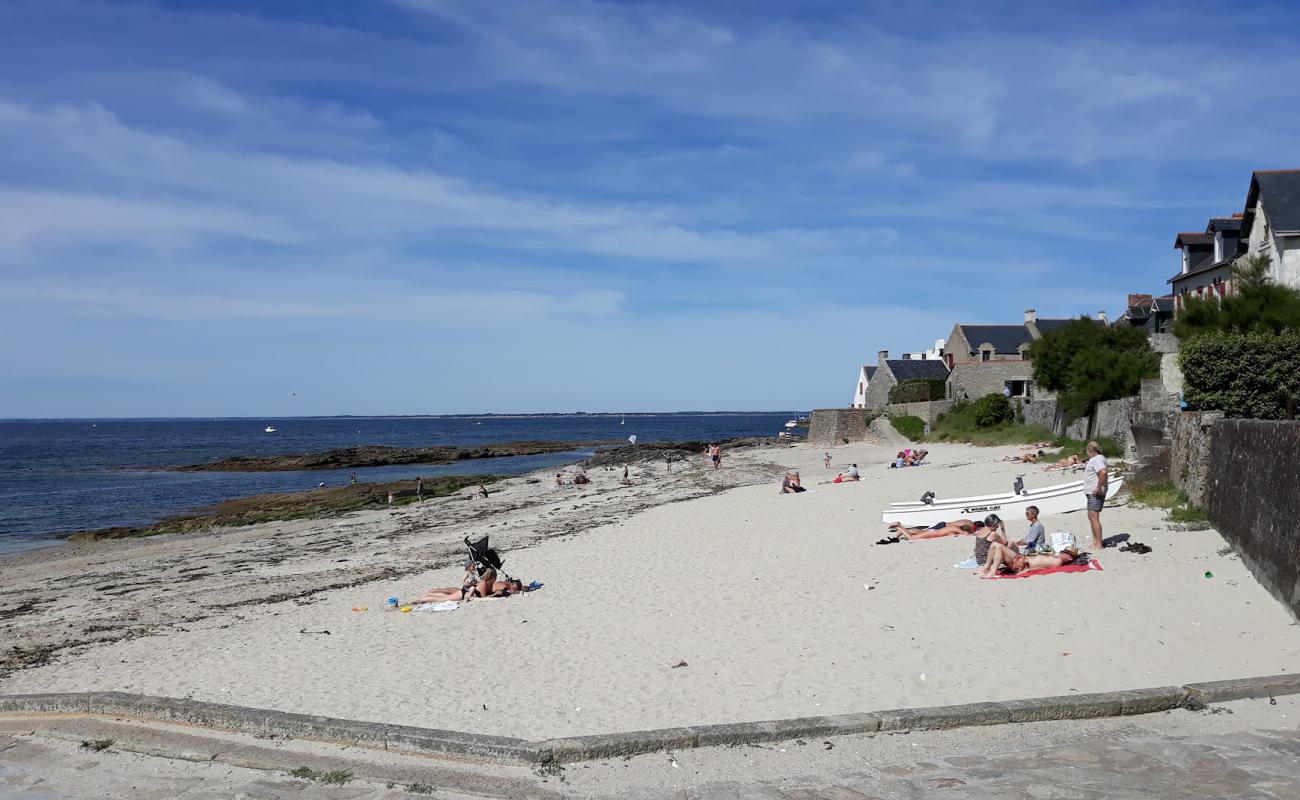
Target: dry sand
780,605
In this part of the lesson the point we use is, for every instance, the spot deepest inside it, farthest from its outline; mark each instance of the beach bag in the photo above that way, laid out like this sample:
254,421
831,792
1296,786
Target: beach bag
1062,540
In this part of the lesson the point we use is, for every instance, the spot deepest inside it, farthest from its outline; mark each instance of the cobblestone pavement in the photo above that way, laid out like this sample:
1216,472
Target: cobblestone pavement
1248,749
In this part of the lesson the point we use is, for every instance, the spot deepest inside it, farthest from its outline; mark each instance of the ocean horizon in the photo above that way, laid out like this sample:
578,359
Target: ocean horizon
62,476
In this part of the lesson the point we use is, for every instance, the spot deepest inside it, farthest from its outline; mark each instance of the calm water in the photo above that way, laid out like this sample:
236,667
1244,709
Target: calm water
62,476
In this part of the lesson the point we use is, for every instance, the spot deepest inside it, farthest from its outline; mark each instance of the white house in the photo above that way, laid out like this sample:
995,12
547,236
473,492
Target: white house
864,380
933,354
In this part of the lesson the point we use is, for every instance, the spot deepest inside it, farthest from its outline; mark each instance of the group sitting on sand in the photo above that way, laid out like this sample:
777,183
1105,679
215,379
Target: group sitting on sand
908,458
995,553
791,484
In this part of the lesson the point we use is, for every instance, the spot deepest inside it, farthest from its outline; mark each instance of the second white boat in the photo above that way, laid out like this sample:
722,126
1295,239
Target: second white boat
1058,499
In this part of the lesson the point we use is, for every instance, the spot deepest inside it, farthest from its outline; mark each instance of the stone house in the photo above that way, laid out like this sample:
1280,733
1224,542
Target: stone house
890,372
1206,259
864,380
1269,226
1150,314
984,359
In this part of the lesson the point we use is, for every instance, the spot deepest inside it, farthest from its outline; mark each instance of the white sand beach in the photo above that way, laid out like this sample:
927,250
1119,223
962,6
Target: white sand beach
780,606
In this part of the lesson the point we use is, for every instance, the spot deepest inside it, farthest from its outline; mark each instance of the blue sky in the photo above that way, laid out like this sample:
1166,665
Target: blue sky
421,206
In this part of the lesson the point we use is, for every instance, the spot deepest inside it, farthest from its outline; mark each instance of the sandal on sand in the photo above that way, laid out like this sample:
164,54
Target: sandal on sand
888,540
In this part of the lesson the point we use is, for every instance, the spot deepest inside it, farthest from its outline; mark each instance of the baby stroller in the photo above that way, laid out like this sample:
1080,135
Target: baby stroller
482,558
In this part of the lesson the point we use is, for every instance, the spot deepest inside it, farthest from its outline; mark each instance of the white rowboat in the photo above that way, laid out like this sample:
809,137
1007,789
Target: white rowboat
1059,499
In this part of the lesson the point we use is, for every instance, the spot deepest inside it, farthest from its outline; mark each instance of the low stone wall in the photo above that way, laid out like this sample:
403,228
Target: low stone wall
1112,421
928,411
832,426
1252,494
1189,457
1042,411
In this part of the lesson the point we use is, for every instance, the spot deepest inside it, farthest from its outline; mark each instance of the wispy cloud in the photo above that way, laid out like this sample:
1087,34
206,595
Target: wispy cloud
805,184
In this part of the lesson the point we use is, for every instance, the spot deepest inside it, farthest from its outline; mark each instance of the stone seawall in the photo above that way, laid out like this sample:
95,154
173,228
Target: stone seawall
1252,494
927,411
1189,458
832,426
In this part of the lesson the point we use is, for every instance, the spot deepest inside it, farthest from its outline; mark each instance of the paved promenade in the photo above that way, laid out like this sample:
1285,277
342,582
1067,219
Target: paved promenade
1242,749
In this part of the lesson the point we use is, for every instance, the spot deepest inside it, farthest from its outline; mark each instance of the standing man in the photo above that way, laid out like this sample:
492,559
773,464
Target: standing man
715,453
1094,485
419,490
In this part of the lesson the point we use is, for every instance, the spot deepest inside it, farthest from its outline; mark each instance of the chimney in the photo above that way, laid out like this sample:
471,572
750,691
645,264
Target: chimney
882,356
1030,316
1101,315
1139,300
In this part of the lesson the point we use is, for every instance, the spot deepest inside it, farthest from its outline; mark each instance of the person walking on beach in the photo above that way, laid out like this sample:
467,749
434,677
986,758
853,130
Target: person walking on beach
419,490
826,460
390,499
354,479
1095,479
715,453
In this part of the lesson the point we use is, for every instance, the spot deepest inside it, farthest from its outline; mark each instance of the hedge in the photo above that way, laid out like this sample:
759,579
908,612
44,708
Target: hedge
1251,375
992,410
911,427
918,390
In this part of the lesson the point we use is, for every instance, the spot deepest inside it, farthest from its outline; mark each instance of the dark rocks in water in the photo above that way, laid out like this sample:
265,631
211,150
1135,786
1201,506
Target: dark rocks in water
382,456
280,506
671,451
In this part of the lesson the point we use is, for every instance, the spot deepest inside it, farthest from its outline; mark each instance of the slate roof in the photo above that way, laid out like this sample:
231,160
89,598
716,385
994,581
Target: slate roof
1046,326
1279,191
871,371
1004,338
1193,239
1165,303
905,369
1225,224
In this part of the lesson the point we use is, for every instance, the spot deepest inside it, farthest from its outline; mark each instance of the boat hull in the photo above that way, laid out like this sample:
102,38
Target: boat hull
1060,499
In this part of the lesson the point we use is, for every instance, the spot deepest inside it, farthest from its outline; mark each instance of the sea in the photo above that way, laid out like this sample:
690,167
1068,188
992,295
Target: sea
58,477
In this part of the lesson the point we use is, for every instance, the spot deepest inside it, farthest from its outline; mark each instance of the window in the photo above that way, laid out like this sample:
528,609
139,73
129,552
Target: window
1018,388
986,355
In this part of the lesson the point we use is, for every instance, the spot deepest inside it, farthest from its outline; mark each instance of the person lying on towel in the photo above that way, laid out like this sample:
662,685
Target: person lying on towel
1003,559
954,528
475,585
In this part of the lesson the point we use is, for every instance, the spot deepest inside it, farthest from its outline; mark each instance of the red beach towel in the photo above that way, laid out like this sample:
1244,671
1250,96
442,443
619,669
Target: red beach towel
1091,565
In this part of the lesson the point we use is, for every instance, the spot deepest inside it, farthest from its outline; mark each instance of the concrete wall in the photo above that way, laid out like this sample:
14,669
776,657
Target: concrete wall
1189,457
832,426
1042,410
1252,494
977,379
927,411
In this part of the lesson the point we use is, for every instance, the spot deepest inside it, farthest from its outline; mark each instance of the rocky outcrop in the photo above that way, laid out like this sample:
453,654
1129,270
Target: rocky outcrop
380,456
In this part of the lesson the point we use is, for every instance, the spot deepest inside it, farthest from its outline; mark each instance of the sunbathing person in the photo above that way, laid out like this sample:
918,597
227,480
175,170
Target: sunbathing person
791,484
1004,559
1066,463
1035,446
994,533
476,585
1027,458
850,474
954,528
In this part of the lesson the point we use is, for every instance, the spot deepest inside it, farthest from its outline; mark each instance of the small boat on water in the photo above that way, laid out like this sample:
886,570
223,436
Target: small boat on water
1059,499
791,423
269,429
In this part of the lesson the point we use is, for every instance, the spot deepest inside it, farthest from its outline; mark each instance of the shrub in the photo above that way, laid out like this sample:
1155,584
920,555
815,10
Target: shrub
1155,495
1258,304
911,427
1249,375
992,410
918,391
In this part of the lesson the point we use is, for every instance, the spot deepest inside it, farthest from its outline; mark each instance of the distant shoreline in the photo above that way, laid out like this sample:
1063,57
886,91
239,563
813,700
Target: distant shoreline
487,415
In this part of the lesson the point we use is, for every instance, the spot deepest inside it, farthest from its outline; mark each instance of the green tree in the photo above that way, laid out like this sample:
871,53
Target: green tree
1086,362
1257,305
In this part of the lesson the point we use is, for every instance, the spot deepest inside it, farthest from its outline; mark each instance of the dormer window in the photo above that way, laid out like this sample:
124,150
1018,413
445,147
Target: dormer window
986,354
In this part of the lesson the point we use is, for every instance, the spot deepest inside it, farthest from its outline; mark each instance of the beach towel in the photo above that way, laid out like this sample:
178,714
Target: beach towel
445,605
969,563
1092,564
